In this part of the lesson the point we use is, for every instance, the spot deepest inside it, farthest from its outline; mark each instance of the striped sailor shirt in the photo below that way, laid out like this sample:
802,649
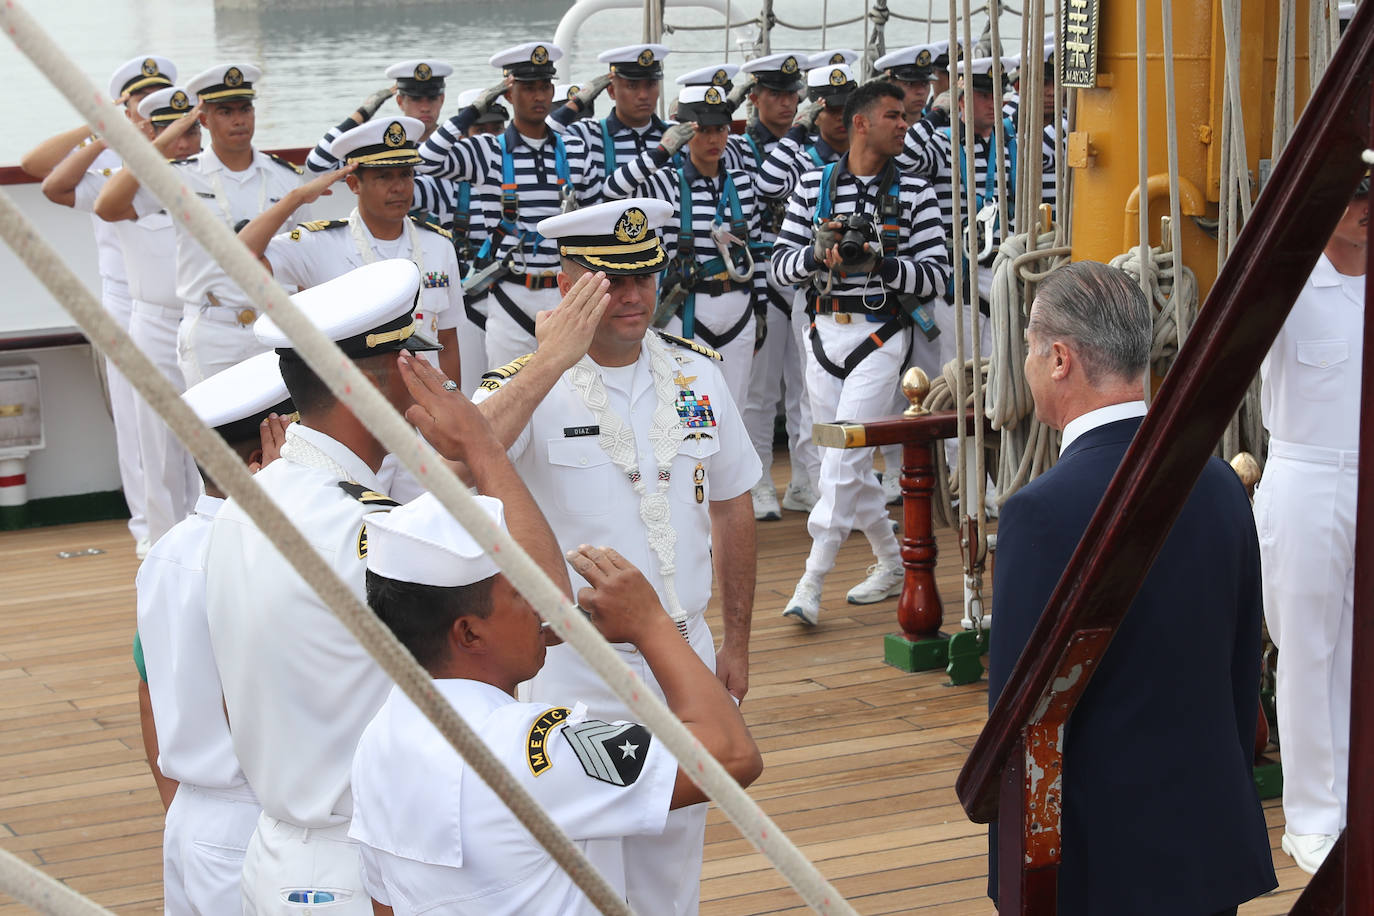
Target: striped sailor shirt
920,266
747,152
448,154
793,156
629,141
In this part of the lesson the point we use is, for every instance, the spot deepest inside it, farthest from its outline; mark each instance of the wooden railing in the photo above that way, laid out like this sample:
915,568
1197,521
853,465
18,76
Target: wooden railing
1252,297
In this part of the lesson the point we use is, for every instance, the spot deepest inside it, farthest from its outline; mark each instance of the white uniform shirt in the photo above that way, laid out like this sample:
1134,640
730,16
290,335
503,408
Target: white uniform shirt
436,838
150,251
1310,379
110,255
299,688
231,196
193,738
303,258
589,500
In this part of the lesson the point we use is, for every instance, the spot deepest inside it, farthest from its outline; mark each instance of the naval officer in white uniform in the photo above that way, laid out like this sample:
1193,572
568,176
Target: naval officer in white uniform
435,836
214,812
638,445
237,182
1305,516
379,160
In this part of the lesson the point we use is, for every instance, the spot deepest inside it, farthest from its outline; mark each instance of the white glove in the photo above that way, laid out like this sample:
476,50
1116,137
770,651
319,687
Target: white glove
370,105
675,137
806,115
737,94
588,93
488,97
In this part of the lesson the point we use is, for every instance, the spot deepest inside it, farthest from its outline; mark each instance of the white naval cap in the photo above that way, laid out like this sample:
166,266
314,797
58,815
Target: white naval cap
235,401
706,105
636,62
165,105
619,237
224,82
714,75
496,113
941,50
913,64
367,311
423,78
152,72
776,71
530,61
562,92
844,56
834,81
380,143
422,543
982,71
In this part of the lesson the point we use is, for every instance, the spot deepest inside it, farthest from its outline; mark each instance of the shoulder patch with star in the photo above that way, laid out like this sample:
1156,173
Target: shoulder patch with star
537,742
610,753
367,497
674,340
432,227
493,379
285,163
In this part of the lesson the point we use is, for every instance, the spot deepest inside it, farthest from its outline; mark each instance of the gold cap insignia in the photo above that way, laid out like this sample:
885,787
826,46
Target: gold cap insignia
179,102
646,57
540,55
720,78
233,77
395,135
923,58
632,225
789,66
573,91
150,67
712,95
837,77
423,72
837,58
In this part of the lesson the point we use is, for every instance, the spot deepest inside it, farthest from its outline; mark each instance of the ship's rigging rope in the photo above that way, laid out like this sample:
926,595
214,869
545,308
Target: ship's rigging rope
36,889
370,406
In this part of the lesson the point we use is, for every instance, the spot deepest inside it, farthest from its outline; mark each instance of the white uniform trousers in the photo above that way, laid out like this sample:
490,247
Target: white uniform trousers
720,313
925,355
211,340
285,861
850,497
114,295
776,376
472,345
203,844
169,473
805,454
1305,517
662,873
505,339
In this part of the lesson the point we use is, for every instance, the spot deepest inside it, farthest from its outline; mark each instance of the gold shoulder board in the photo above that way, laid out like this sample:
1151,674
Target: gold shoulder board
493,379
690,345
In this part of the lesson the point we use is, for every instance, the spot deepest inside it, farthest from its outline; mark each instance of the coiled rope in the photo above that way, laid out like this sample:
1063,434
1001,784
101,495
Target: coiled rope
371,407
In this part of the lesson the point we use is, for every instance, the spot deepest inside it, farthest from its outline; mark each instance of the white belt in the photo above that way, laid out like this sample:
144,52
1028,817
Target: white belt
224,313
1341,459
170,312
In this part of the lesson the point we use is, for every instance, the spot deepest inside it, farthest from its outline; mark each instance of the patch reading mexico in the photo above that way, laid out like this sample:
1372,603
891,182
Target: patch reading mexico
362,543
610,753
536,746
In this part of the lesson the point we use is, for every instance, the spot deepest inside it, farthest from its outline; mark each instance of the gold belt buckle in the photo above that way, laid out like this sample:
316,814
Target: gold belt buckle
246,316
843,318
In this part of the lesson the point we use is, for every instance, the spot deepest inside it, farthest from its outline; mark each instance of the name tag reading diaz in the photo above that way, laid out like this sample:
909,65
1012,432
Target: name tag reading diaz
573,432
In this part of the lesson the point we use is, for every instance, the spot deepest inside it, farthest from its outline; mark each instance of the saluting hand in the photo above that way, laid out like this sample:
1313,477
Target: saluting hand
620,601
272,435
565,333
318,186
450,422
177,128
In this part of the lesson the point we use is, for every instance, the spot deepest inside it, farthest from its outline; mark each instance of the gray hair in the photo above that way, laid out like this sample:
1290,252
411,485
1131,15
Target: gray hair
1102,312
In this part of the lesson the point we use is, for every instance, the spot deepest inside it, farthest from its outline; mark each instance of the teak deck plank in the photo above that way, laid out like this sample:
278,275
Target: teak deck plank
860,758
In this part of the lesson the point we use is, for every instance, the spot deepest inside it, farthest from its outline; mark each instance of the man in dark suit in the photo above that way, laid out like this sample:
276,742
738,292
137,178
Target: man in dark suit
1159,811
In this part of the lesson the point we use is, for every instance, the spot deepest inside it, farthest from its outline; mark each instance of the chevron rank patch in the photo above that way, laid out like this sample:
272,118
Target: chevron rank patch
537,744
610,753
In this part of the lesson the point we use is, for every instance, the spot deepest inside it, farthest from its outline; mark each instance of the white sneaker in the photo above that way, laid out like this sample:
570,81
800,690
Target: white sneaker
799,497
882,582
1308,850
142,547
765,500
892,487
805,604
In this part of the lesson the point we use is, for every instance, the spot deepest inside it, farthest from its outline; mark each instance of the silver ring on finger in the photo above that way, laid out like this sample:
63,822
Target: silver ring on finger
450,385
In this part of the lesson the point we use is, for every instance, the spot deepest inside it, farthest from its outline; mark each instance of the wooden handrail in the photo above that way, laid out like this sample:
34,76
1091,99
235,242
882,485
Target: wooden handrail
1252,297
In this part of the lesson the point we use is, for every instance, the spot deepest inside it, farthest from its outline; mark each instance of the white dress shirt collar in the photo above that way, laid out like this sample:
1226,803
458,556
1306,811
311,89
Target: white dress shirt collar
1100,417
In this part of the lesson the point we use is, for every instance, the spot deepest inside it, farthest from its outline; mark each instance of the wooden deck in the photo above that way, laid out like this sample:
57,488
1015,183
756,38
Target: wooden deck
860,757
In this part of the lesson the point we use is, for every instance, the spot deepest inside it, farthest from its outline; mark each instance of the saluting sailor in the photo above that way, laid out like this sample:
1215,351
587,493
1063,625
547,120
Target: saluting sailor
911,70
605,784
713,275
237,182
419,91
298,688
75,165
636,445
538,174
214,812
773,85
866,239
380,158
937,107
635,82
149,243
1011,108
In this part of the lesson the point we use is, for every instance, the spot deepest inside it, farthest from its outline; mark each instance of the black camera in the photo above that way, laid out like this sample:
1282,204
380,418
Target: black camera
856,232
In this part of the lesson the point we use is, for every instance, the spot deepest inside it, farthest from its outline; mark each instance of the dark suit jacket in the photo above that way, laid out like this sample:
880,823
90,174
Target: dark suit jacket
1160,813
